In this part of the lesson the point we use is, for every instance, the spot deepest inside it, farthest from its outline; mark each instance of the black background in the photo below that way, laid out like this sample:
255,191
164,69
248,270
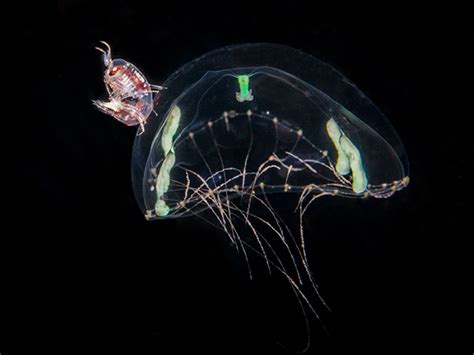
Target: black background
83,272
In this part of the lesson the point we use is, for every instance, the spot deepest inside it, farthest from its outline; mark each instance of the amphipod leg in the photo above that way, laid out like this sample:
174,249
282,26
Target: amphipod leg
158,87
141,122
140,118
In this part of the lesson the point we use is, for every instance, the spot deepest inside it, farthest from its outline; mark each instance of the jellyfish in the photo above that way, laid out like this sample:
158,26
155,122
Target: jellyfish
245,122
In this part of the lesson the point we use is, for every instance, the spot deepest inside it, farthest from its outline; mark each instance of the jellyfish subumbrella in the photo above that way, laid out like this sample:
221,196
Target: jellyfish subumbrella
246,121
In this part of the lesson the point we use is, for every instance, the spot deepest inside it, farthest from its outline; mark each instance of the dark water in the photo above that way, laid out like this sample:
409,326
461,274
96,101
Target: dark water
83,272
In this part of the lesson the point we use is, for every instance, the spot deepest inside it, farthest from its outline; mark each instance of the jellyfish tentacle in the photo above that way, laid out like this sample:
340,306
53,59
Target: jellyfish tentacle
223,219
249,116
221,161
260,171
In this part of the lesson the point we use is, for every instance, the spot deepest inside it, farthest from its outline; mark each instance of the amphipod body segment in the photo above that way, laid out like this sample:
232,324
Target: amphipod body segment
130,93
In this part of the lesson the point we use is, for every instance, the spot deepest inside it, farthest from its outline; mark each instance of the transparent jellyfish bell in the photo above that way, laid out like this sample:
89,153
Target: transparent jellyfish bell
261,118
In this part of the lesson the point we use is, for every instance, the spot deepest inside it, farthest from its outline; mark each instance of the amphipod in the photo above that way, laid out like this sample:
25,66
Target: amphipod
130,93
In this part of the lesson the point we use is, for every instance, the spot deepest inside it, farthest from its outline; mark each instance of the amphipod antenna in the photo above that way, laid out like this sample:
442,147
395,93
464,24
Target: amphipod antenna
107,56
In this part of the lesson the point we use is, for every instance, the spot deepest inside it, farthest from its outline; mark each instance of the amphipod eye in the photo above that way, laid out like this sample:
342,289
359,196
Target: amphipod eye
114,70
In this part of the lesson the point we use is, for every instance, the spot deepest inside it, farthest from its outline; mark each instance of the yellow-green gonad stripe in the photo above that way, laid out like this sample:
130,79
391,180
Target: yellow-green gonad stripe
348,157
342,165
163,184
163,180
169,130
359,179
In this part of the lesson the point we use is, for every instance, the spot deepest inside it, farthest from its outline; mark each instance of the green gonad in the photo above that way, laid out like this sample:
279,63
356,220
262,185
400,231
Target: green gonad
163,179
348,157
245,94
